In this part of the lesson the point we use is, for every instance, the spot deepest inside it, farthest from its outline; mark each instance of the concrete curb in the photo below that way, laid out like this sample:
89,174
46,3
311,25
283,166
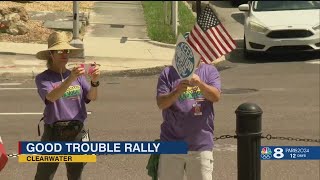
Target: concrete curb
104,73
151,71
217,61
156,43
14,53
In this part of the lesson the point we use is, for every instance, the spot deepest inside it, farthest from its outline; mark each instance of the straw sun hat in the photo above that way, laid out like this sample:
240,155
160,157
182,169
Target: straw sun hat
58,41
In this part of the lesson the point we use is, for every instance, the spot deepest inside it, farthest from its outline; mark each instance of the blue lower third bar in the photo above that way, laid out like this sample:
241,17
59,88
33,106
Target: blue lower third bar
290,152
153,147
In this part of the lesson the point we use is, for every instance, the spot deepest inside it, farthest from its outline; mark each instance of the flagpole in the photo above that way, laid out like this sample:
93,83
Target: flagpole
175,17
198,7
76,42
75,20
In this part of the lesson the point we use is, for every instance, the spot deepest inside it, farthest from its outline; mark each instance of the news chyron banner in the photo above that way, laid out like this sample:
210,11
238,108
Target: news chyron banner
31,151
290,152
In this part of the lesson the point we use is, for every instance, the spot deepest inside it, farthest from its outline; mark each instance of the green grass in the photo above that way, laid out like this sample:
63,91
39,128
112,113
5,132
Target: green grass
157,29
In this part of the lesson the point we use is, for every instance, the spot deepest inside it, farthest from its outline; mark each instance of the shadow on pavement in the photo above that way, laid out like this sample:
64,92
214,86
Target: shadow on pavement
237,56
239,17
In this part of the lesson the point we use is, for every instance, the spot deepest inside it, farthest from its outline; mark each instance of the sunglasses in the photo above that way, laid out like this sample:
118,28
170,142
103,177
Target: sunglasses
62,51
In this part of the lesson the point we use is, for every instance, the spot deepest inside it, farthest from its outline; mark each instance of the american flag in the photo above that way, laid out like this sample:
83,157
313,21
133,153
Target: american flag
209,38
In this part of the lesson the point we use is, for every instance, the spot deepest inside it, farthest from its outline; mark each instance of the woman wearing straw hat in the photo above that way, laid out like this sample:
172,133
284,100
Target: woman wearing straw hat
65,93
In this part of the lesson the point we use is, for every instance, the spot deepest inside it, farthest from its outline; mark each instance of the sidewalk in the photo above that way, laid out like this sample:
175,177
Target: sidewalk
114,48
116,38
17,59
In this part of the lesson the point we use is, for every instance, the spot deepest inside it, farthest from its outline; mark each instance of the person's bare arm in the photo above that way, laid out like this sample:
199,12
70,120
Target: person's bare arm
58,92
209,92
165,101
93,92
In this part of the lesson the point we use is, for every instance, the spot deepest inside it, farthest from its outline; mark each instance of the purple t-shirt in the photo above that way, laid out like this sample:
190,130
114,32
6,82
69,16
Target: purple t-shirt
71,106
187,120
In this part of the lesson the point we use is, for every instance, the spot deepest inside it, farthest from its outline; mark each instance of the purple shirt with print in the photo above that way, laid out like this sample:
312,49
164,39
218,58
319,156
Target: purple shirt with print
182,121
71,106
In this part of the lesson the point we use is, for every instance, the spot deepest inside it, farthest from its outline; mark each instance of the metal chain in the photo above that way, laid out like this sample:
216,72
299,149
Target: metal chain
224,137
12,155
269,137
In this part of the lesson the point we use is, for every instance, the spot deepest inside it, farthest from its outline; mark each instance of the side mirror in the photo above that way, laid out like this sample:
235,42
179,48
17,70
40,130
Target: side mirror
244,7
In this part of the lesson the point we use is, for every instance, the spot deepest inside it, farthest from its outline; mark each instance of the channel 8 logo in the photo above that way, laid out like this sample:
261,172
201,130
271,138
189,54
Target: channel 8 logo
266,153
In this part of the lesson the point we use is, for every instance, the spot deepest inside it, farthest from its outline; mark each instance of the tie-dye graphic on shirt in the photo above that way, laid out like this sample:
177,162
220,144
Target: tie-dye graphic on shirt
191,93
72,92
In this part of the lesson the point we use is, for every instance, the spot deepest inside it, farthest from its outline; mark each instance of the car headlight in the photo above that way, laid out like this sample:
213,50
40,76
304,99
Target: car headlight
253,26
316,27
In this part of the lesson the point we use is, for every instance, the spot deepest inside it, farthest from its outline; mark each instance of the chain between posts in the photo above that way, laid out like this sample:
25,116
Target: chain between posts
12,155
269,137
224,137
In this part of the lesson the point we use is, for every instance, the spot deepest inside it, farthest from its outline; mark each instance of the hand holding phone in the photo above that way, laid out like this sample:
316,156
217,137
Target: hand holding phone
89,68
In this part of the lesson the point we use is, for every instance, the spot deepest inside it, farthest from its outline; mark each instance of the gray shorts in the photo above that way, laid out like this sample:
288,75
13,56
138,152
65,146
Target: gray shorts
196,165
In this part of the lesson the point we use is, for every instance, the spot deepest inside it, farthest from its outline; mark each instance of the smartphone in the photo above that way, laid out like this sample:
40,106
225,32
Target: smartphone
89,68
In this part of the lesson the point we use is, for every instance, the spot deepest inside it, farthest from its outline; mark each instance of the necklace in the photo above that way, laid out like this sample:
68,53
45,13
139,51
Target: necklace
62,79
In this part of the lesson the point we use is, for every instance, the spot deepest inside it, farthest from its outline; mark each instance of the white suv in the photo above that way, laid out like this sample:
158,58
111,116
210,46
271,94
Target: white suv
281,26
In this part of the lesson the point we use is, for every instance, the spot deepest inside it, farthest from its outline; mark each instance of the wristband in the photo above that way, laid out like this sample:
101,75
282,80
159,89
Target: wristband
96,84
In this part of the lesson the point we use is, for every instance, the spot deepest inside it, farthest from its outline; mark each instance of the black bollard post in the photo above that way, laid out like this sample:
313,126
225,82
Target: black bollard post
248,130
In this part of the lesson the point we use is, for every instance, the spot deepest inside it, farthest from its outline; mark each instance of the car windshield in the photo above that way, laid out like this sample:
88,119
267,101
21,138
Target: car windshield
285,5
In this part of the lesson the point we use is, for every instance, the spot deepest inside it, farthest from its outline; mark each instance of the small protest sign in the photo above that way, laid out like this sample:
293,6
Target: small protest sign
185,59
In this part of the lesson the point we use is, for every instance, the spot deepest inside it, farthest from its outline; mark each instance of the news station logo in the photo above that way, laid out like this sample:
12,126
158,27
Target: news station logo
266,153
272,153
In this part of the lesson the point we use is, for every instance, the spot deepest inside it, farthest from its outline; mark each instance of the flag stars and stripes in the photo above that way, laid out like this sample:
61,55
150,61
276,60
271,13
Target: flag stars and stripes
209,38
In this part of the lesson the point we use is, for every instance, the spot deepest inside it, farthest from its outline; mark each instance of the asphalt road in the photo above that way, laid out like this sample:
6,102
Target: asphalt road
231,18
288,93
287,90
